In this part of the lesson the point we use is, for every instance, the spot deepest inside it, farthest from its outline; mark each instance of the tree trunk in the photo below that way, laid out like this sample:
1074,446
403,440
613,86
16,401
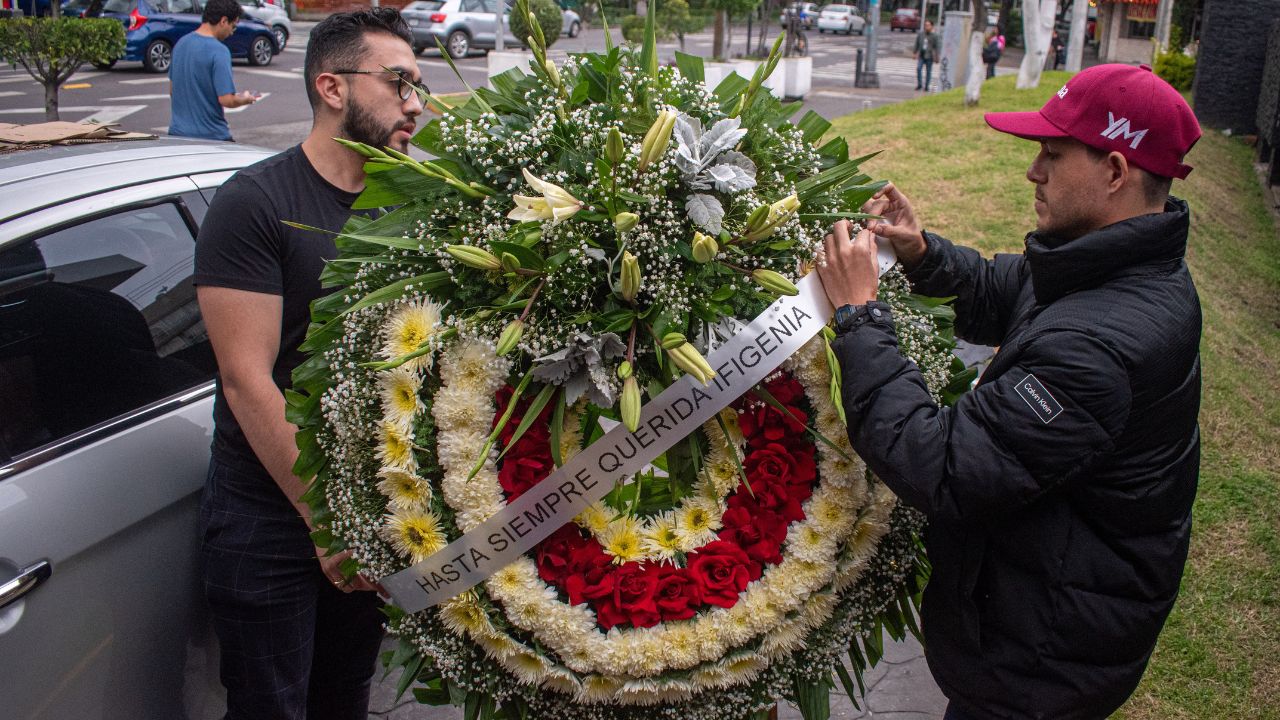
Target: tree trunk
977,39
717,41
1075,43
1037,29
51,101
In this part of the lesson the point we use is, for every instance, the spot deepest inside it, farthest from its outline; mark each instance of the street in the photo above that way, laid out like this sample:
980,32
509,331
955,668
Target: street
139,100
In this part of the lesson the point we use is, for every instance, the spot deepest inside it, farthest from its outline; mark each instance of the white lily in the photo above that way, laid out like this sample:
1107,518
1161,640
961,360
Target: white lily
556,204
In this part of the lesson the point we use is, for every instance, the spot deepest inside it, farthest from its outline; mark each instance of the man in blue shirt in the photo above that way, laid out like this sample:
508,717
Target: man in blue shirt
200,83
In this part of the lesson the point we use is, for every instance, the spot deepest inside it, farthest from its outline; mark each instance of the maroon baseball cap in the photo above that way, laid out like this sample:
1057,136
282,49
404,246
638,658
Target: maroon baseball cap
1115,107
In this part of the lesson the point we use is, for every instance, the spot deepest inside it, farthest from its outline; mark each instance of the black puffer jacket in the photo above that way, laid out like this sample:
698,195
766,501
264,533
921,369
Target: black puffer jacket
1059,491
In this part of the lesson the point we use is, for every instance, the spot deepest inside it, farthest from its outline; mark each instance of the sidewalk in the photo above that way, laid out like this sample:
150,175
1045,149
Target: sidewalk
898,688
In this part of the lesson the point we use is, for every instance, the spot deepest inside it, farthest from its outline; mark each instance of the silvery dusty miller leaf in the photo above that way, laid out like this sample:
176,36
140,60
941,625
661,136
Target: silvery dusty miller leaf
705,211
731,178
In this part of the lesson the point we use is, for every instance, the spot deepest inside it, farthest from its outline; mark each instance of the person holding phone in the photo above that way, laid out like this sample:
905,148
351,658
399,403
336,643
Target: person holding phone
200,81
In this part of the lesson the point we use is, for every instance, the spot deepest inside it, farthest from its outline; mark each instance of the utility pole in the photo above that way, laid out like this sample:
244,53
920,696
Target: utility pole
1075,41
499,37
869,77
1164,20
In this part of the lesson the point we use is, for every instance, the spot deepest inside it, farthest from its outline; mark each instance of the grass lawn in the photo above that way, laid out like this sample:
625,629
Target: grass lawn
1219,654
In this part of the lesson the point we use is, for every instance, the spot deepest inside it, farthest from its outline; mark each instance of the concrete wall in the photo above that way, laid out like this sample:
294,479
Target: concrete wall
1233,49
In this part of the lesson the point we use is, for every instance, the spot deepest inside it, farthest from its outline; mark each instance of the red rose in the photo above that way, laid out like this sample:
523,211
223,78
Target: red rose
785,389
633,601
590,574
518,474
536,440
775,464
760,534
761,421
554,555
502,399
677,595
722,570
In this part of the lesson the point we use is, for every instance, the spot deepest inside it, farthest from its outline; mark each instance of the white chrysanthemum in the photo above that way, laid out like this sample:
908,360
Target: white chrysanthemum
497,645
457,451
818,608
681,642
463,615
401,400
734,625
571,433
561,681
414,534
720,469
404,490
661,541
838,470
710,677
622,540
599,689
457,408
596,518
742,669
527,666
472,365
730,418
408,328
395,448
784,639
697,521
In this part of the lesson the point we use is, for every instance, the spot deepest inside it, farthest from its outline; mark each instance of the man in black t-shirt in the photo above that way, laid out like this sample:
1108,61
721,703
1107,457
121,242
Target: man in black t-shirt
298,641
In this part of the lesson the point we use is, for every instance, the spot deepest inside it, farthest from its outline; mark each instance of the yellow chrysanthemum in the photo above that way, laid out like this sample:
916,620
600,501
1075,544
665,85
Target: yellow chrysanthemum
463,615
405,490
411,326
697,522
414,534
396,448
595,518
730,418
399,389
660,537
720,470
622,540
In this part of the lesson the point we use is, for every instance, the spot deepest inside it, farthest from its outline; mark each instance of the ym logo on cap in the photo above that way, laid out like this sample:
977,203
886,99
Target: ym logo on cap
1115,128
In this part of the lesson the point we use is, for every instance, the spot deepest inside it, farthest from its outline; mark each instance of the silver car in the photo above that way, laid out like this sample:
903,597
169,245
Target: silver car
271,14
465,25
106,385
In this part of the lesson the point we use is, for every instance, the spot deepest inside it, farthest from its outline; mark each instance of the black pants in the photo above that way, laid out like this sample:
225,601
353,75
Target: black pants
955,713
293,646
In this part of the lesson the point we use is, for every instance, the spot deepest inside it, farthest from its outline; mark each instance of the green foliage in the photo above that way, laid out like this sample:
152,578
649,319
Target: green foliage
549,19
674,20
1177,68
52,49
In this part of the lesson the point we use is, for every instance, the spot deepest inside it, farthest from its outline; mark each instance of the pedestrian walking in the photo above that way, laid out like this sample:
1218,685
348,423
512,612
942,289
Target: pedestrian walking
298,637
928,47
200,81
1059,50
991,53
1059,490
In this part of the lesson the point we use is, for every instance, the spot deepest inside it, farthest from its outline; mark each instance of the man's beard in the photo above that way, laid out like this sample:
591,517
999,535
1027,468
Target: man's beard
361,126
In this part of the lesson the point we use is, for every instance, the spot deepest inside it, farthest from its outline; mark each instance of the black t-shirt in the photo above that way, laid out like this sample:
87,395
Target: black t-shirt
245,245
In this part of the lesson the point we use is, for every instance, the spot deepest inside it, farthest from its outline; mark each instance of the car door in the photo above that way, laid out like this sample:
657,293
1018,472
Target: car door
477,15
106,383
183,16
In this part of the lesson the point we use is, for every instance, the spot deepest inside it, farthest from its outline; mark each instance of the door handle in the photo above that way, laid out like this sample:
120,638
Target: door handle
26,581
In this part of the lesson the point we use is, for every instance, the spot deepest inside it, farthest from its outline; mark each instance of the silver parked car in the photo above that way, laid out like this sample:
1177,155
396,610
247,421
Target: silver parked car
273,16
106,385
465,25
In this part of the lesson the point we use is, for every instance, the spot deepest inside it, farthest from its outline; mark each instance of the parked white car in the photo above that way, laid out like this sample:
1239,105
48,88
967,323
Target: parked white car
571,23
841,19
106,385
273,16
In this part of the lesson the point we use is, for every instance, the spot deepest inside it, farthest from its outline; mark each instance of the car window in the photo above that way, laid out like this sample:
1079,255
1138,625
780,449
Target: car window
97,320
119,6
179,6
425,5
474,6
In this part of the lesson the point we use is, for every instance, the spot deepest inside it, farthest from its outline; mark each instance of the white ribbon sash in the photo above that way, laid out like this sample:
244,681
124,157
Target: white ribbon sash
741,363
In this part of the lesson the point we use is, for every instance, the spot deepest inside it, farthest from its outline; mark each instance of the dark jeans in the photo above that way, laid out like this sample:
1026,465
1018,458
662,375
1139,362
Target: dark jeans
293,646
991,70
927,67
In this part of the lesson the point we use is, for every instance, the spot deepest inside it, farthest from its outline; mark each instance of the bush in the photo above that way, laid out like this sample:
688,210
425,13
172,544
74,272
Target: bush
52,49
549,19
633,29
674,20
1177,68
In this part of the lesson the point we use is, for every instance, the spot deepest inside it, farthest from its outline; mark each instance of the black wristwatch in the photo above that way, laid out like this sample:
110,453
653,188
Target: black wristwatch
849,317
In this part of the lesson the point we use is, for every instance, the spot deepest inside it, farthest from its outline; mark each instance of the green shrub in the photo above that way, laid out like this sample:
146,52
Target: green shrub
549,19
1177,68
52,49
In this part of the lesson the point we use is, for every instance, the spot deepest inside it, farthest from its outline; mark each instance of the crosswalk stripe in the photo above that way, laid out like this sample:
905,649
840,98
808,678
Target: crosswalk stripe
273,73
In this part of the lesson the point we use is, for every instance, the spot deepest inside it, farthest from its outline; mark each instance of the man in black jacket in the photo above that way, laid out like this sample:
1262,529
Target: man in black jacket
1058,491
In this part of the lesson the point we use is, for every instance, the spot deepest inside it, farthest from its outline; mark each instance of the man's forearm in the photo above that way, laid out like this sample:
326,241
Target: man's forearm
259,408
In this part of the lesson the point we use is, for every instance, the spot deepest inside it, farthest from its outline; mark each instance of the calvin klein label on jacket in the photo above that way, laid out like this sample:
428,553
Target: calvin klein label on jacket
1039,399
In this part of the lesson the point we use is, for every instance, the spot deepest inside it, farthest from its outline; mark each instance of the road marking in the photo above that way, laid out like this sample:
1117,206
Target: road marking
274,73
100,113
302,50
24,78
11,93
158,96
441,64
145,81
242,108
77,86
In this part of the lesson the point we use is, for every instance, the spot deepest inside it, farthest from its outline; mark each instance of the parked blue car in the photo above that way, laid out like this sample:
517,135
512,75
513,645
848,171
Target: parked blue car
152,28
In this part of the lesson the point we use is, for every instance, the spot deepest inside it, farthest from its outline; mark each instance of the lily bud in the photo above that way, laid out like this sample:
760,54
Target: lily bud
613,147
624,369
773,282
510,336
704,248
673,340
624,221
757,218
657,139
630,404
691,361
510,263
630,281
779,213
552,72
475,257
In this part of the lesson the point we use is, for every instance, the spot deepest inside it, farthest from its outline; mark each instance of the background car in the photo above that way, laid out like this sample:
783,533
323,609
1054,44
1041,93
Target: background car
273,16
152,27
905,19
106,380
808,14
465,25
571,23
841,18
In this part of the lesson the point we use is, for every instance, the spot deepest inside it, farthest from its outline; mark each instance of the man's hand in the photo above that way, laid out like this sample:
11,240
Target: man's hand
331,566
851,275
899,226
240,99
